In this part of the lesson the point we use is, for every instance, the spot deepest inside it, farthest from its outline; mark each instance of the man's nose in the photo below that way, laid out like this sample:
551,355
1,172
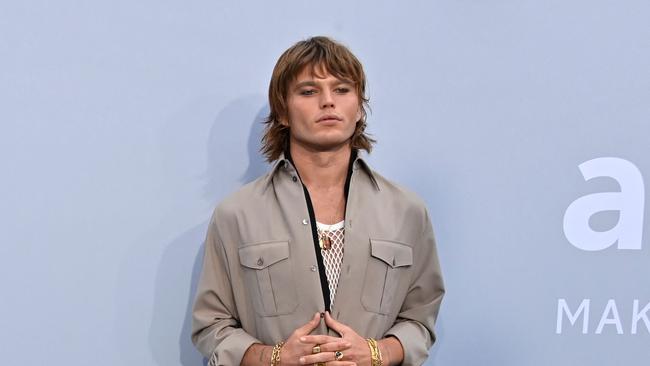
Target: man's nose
327,99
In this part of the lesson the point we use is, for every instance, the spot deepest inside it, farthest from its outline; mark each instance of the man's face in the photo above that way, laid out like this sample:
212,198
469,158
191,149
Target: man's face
322,110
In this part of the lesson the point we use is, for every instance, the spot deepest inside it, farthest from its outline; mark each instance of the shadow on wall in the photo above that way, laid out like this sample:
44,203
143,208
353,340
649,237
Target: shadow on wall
173,299
257,164
173,296
225,142
440,339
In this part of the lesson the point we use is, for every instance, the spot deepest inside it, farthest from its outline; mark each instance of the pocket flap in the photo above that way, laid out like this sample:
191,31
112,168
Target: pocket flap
392,253
262,255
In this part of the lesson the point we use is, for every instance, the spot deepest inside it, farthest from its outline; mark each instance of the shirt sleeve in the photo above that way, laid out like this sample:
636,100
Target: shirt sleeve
414,326
216,329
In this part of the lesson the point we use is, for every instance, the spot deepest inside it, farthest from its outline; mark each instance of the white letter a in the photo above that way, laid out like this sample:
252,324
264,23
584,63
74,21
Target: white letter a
628,202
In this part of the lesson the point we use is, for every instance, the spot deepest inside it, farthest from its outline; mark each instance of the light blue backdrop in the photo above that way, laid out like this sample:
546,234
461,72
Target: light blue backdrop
123,123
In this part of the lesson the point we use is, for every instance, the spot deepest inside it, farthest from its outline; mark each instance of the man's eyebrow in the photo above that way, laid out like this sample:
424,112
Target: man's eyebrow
313,83
304,83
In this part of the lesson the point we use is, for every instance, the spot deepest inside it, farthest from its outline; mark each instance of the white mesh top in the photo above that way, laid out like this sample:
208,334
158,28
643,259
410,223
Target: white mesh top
332,257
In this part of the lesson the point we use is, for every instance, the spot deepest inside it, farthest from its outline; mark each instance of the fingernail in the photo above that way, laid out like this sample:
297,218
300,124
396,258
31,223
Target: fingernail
302,339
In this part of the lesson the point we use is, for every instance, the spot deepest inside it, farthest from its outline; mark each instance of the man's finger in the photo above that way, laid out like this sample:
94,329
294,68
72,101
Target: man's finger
311,325
335,346
318,358
320,339
319,345
340,328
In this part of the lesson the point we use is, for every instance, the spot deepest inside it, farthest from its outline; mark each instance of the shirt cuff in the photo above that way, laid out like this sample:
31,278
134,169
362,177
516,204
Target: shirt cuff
232,349
415,340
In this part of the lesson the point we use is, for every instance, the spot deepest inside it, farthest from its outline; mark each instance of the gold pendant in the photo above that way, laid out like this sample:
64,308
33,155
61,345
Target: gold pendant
325,242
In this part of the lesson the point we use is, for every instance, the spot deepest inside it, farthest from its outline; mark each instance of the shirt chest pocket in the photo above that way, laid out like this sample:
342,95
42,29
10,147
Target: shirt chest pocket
387,276
268,276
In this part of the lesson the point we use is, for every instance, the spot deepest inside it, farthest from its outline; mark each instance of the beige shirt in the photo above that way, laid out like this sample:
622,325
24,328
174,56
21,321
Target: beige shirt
260,277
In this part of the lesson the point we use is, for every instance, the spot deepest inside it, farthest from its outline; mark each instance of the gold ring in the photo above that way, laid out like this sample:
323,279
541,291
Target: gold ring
338,355
316,349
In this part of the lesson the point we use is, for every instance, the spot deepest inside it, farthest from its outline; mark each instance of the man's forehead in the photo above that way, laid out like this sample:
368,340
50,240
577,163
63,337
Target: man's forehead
315,72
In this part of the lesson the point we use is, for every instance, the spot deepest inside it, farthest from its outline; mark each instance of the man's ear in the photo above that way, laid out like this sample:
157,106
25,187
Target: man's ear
283,122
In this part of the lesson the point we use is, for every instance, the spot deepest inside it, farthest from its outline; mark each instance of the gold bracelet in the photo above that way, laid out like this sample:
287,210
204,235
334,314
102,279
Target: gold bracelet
275,355
375,353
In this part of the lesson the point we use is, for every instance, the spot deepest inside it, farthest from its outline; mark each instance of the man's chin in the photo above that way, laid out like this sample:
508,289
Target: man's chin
327,145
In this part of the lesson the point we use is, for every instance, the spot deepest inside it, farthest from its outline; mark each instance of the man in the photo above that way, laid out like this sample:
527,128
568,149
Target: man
322,260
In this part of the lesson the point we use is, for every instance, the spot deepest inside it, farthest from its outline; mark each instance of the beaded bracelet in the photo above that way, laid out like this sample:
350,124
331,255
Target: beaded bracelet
275,355
375,353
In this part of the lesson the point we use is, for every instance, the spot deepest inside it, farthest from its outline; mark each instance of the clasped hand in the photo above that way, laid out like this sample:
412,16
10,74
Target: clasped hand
299,348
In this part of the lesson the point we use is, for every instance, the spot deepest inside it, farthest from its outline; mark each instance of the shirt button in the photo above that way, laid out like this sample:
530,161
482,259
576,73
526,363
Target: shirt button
294,178
260,262
305,222
312,268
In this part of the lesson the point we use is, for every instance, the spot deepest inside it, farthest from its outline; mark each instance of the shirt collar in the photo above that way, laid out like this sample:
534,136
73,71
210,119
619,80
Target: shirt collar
284,162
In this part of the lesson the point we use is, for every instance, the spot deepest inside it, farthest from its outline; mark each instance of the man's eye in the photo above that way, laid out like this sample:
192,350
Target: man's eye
308,92
342,90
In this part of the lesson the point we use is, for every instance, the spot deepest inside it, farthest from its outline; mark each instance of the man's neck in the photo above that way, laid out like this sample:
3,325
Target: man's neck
321,170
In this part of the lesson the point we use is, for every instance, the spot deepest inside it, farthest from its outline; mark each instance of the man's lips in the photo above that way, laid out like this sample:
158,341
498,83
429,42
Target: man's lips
329,117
